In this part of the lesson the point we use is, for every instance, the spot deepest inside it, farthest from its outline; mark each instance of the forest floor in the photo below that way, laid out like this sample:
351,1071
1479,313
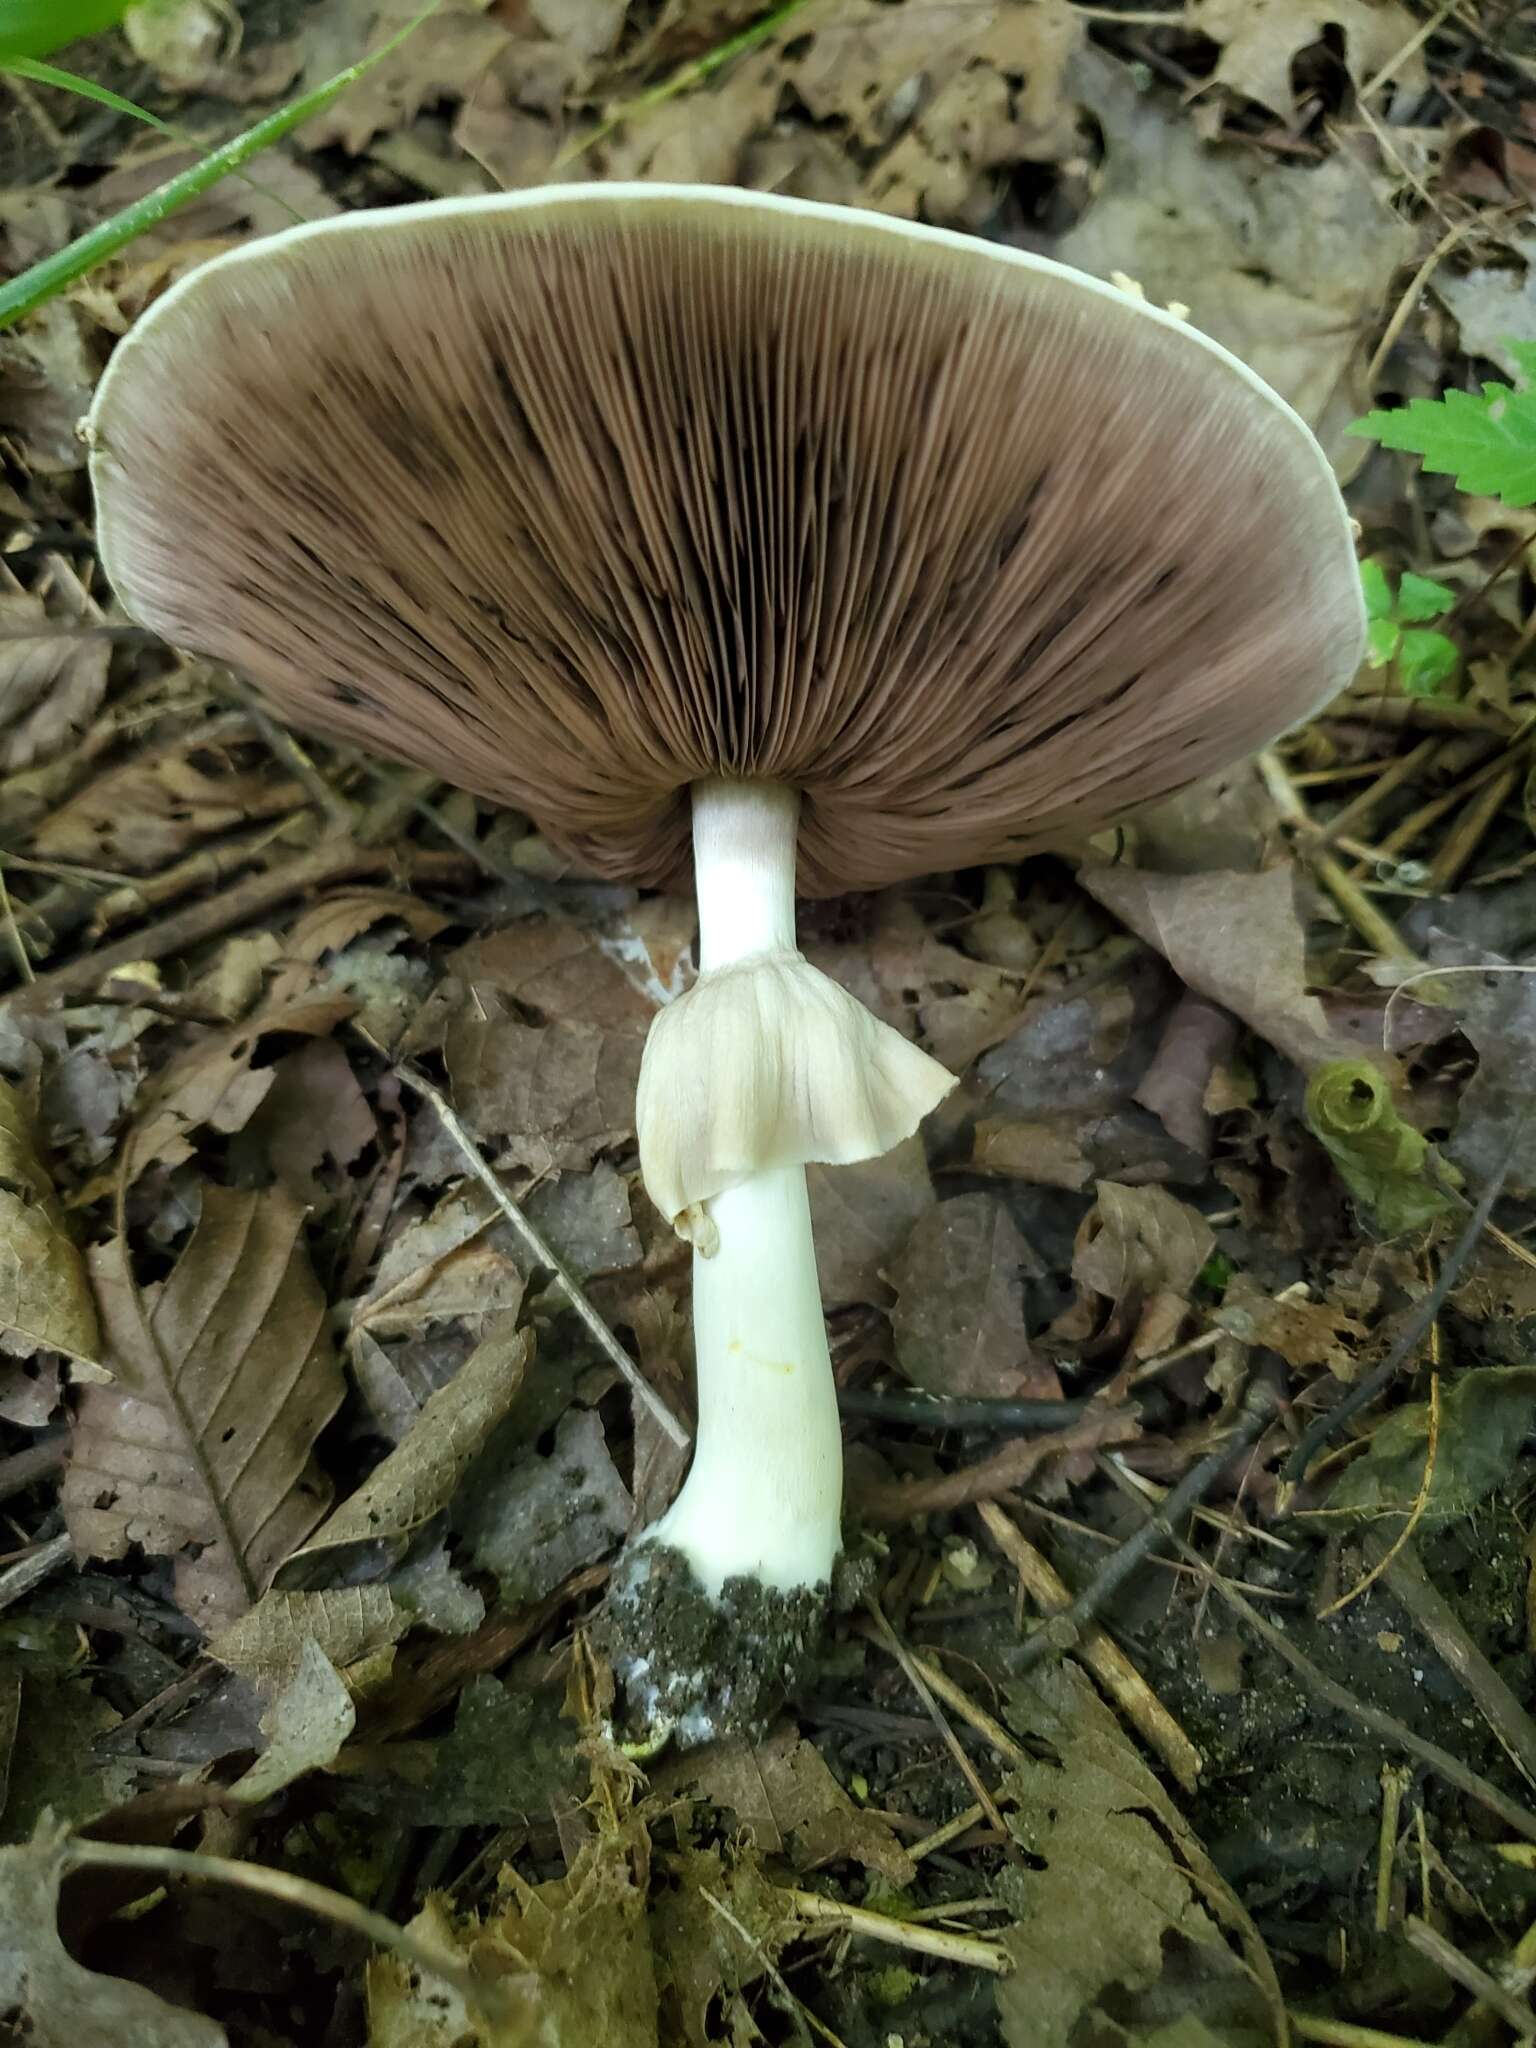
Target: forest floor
1278,1781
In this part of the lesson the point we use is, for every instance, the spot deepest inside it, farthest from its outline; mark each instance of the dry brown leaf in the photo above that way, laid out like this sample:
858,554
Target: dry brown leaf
215,1086
1306,1334
1285,265
51,682
1238,941
159,805
51,2001
959,1315
313,1124
1261,39
862,1215
45,1297
202,1451
372,1529
789,1803
444,59
1141,1241
47,374
1045,1150
348,1623
542,1034
939,99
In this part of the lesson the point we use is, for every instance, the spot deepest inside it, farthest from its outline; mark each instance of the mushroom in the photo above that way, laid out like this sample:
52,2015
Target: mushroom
826,548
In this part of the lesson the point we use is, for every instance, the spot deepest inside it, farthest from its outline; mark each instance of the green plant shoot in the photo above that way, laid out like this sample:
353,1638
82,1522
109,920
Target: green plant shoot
1383,1161
1423,659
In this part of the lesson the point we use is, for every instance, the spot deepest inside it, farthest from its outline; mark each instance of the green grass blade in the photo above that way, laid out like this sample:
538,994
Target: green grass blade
45,280
31,28
86,88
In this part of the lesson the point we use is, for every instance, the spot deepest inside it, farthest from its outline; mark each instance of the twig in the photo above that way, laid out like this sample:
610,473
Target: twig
1414,44
1064,1631
1373,925
950,1832
23,1468
926,1941
490,1998
286,748
921,1686
336,861
1006,1468
29,1572
933,1411
1344,2033
1102,1655
1415,1513
1515,2012
547,1257
1471,828
1364,1392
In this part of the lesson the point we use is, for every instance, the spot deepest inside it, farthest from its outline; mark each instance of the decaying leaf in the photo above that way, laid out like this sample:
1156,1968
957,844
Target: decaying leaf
1235,939
507,1755
56,1722
1485,1415
226,1374
216,1084
575,1952
1497,1010
788,1801
348,1623
371,1531
45,1297
50,2000
305,1726
1306,1334
1185,221
1120,1895
543,1518
1142,1240
542,1034
1261,39
159,804
861,1215
51,681
959,1315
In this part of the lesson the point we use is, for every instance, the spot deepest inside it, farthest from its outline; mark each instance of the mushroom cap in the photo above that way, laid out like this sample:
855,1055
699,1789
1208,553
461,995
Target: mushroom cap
580,495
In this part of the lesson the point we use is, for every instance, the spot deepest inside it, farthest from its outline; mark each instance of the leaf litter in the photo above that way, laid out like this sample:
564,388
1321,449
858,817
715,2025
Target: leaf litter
344,1469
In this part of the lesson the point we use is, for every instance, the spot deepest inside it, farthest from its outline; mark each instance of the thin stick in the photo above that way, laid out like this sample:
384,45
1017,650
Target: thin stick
933,1411
1345,2034
335,861
951,1831
1471,828
1064,1631
926,1941
13,933
607,1343
1515,2012
30,1570
1373,925
952,1743
489,1998
1414,44
1103,1656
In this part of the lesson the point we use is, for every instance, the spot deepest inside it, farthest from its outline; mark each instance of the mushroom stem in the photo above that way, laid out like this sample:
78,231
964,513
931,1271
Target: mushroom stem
763,1497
